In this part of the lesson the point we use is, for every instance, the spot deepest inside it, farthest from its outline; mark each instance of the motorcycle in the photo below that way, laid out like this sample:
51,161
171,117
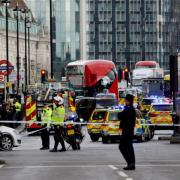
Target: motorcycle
73,132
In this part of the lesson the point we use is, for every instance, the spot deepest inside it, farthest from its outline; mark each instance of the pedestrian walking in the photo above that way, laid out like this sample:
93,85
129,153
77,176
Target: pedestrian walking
45,124
127,122
58,116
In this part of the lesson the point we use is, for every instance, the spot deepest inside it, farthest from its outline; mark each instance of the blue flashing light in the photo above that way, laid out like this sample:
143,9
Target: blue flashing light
117,107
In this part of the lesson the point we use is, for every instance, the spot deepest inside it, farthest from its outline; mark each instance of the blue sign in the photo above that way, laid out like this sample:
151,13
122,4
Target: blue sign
2,68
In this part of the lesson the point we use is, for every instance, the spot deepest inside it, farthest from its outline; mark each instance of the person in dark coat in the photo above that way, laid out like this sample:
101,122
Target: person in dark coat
127,122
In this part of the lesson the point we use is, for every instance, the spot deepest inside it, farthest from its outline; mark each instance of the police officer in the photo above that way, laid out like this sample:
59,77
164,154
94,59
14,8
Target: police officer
17,107
127,122
45,119
58,116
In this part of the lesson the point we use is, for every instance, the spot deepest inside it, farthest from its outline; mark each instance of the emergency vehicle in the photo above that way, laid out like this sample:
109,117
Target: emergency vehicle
124,92
161,114
111,131
92,77
95,123
144,70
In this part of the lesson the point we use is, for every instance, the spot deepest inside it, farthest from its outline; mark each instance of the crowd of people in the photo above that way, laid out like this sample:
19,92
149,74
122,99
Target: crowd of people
11,110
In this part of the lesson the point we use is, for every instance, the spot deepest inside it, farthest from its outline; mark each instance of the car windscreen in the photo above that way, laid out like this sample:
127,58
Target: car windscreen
113,116
147,101
102,103
162,107
99,115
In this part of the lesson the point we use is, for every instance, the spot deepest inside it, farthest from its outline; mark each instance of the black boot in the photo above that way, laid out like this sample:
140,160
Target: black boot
62,150
53,150
130,167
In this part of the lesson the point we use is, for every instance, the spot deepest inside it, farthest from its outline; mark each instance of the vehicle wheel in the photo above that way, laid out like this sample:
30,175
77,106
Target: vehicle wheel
105,140
94,137
6,143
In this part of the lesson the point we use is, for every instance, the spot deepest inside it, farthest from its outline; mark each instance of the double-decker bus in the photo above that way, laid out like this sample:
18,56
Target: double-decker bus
90,77
144,70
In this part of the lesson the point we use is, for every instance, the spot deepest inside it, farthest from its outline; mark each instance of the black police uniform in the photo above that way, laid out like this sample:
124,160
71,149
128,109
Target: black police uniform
127,122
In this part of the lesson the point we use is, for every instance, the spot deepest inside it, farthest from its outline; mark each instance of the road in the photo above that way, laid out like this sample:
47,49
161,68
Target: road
156,160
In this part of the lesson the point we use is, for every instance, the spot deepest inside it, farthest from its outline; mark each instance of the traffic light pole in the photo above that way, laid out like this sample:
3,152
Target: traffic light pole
51,40
174,88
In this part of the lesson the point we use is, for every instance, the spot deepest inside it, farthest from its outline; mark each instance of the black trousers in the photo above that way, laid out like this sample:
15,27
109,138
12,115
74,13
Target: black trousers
127,150
58,138
45,138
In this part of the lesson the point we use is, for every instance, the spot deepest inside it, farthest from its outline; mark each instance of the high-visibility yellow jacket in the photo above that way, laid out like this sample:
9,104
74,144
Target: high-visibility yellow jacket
46,116
17,106
58,115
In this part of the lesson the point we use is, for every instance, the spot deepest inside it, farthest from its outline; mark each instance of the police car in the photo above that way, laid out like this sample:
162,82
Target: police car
161,114
110,129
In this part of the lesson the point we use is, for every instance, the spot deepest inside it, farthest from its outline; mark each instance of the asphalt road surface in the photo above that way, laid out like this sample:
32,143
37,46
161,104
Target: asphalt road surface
156,160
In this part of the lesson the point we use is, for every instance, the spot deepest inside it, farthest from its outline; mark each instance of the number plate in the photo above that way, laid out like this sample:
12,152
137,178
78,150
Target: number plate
70,132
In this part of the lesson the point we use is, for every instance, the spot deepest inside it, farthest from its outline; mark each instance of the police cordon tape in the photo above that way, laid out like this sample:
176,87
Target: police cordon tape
76,123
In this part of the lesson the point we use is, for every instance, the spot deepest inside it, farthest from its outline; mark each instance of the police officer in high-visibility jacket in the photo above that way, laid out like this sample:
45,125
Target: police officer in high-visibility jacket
17,108
58,116
45,124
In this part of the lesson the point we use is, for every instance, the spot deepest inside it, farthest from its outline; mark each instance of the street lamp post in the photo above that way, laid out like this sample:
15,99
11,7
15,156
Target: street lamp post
25,11
51,39
6,4
29,59
17,9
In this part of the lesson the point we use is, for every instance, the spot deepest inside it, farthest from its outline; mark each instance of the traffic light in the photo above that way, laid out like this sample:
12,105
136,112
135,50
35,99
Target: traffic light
126,75
43,75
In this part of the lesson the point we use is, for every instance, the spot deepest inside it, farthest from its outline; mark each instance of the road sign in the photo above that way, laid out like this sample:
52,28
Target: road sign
1,78
3,67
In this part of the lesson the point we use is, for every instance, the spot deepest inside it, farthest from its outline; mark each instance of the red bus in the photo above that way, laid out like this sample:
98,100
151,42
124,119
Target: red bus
146,64
144,70
91,77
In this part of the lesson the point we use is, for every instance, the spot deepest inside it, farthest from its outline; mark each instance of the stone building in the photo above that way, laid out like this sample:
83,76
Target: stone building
39,43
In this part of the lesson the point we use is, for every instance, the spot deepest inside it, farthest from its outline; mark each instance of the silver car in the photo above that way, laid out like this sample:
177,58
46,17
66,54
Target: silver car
9,138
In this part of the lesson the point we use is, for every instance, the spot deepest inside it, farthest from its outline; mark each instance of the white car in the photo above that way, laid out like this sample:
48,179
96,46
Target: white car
9,138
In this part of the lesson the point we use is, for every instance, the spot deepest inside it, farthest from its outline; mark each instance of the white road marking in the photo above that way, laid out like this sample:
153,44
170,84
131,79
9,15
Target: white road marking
154,165
129,178
122,174
158,165
113,167
54,166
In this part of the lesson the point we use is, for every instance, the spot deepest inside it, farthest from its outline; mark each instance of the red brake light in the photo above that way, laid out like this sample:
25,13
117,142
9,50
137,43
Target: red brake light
69,126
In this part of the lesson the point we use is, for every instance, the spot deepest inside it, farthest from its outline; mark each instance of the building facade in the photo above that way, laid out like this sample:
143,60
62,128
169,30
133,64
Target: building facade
67,15
127,31
66,30
39,45
175,33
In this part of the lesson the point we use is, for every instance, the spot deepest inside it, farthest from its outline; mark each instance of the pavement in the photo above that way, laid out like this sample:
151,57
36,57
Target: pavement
156,160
